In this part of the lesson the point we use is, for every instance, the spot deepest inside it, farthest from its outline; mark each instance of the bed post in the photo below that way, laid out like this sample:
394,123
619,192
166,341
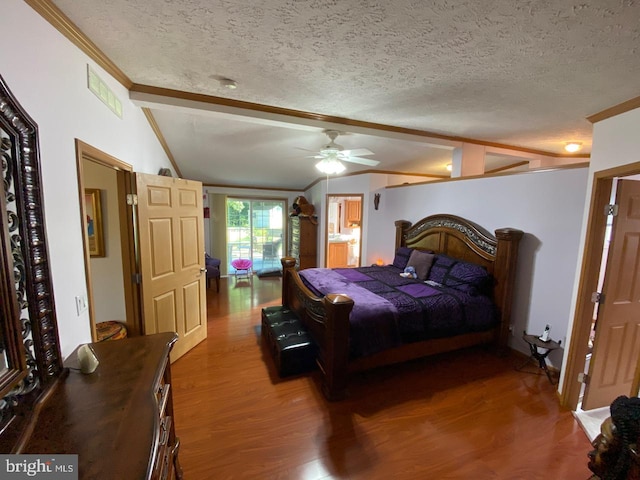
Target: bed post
335,361
288,265
327,320
401,228
505,273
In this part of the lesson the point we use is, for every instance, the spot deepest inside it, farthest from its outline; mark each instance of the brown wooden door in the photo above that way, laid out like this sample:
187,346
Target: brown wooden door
616,349
171,238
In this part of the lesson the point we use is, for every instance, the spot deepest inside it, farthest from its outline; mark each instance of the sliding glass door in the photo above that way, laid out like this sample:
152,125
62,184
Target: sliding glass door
255,231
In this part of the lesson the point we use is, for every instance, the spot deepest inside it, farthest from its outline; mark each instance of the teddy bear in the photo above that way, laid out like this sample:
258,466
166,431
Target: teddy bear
409,272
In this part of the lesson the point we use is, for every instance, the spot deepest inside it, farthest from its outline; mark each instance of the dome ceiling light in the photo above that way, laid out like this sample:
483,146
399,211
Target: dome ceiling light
573,147
330,166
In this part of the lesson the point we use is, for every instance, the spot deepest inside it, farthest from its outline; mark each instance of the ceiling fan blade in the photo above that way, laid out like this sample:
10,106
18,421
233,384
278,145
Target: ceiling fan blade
361,161
358,152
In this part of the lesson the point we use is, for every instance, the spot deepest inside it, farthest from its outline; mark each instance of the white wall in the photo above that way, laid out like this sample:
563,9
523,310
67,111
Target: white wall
48,76
368,185
317,195
615,143
547,206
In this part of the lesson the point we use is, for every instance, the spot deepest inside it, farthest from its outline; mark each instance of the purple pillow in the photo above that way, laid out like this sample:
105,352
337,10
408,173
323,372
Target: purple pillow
464,276
402,257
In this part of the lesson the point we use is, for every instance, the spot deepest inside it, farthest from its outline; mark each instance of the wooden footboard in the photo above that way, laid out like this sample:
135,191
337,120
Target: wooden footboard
327,318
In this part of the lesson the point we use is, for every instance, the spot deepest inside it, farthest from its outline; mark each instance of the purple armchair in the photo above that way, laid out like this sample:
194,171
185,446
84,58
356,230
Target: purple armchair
213,270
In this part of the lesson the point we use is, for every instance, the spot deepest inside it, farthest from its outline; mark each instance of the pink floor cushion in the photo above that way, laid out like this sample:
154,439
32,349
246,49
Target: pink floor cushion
241,264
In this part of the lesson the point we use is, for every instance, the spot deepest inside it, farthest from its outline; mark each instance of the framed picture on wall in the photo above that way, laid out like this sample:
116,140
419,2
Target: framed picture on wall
93,222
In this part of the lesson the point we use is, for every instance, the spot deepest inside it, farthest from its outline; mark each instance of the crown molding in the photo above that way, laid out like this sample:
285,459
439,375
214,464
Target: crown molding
64,25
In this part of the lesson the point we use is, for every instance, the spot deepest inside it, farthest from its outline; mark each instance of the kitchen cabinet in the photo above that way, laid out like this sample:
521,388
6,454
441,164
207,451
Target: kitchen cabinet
352,212
338,255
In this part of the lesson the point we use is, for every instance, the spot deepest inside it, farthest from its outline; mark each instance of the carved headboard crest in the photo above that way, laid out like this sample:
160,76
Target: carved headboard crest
476,234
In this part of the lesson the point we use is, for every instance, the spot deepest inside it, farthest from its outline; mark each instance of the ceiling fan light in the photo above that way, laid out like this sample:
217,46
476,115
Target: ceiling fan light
329,151
330,166
573,147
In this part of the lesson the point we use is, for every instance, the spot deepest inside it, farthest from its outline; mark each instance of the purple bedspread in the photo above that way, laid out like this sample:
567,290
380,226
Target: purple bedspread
390,310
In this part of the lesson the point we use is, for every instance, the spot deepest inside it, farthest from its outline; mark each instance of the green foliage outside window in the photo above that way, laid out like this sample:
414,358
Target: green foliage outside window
237,213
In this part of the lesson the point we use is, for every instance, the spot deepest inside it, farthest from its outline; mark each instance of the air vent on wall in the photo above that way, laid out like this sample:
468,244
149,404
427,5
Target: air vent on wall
103,92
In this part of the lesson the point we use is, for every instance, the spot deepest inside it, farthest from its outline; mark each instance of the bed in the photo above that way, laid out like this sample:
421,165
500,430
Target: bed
366,317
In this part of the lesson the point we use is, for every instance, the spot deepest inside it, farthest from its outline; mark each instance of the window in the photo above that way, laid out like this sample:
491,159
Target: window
255,230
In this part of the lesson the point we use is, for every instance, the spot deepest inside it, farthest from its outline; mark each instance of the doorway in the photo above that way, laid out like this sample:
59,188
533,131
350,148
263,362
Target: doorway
111,292
583,335
152,263
343,242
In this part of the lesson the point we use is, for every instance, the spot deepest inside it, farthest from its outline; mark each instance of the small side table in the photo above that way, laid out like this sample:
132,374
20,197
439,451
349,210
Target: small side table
534,345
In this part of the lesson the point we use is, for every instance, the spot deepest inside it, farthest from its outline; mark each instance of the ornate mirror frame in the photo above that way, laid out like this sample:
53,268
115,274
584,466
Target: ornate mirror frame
29,345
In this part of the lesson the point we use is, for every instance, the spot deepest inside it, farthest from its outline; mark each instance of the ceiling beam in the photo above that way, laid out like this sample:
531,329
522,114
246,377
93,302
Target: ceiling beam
156,97
615,110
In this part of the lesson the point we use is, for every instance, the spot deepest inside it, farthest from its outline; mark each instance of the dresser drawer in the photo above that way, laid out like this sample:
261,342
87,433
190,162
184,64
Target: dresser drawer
166,450
162,396
164,458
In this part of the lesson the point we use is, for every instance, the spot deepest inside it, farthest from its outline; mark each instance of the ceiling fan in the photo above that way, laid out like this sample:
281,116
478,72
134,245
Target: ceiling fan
331,155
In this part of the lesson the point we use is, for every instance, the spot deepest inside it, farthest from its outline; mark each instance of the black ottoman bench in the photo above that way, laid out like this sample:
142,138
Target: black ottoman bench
291,346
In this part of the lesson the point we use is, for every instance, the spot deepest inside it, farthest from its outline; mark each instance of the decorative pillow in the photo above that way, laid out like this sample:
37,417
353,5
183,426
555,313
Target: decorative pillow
402,257
421,262
467,277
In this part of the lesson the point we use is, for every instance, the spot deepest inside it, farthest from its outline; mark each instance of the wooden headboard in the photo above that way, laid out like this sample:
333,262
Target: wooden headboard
460,238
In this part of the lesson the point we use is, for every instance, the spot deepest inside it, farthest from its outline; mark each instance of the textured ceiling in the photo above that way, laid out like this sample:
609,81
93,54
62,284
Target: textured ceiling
521,73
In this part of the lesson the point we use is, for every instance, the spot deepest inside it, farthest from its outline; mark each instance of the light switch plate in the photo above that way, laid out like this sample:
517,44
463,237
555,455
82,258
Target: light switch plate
81,304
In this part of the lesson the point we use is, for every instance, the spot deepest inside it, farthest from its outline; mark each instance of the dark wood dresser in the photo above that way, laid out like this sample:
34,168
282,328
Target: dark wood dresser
119,419
303,234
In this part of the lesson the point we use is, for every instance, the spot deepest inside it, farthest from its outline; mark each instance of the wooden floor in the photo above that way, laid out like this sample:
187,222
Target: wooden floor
464,415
